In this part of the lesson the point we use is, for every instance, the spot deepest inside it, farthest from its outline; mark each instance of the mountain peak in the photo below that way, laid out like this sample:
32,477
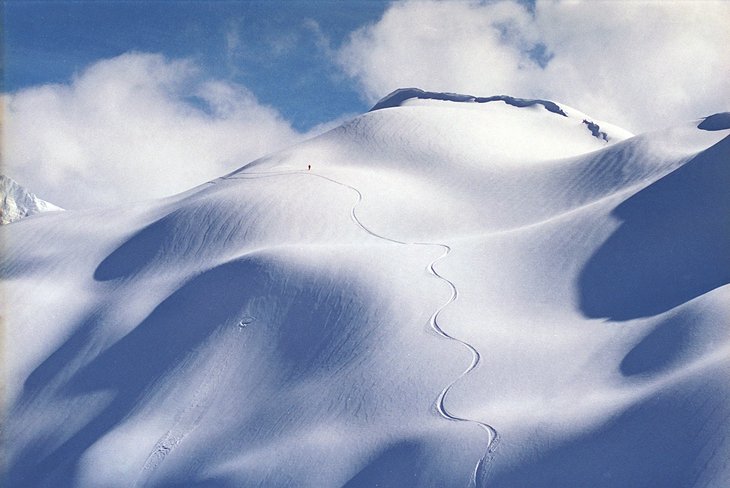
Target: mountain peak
17,202
407,96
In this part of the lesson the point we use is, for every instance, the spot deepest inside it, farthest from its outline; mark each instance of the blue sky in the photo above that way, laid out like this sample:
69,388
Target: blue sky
272,47
106,101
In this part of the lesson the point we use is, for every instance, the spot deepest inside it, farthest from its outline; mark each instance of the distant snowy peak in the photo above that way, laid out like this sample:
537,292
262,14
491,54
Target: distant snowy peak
405,96
17,202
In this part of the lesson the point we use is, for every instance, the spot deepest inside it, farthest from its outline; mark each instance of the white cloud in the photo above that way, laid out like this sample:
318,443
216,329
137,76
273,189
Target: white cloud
449,46
133,127
638,64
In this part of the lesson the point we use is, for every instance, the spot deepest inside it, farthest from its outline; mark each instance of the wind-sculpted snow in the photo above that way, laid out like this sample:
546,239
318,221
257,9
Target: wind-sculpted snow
399,96
410,96
443,273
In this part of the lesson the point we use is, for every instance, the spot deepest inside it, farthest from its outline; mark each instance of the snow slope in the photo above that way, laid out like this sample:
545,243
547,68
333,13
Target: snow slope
455,294
17,202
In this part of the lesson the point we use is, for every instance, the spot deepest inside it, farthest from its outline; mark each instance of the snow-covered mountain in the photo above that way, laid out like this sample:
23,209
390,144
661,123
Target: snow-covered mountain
17,202
459,292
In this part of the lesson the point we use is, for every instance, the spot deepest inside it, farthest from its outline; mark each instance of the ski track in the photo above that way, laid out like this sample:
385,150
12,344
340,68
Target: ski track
190,417
481,470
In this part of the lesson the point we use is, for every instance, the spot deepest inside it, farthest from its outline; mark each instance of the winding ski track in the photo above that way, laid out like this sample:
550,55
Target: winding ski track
481,469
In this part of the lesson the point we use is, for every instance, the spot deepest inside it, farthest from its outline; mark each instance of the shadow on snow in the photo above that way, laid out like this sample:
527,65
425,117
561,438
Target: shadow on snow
672,245
297,314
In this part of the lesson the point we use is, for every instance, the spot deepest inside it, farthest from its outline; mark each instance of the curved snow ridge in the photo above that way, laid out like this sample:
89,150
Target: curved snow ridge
396,99
439,404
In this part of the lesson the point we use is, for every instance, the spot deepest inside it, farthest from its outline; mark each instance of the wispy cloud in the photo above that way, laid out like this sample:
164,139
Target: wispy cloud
321,40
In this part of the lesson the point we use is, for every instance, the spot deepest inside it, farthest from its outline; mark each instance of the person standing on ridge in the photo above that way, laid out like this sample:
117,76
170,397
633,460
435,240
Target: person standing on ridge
309,166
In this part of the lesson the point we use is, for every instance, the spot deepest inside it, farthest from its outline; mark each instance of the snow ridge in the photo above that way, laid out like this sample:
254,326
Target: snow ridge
400,95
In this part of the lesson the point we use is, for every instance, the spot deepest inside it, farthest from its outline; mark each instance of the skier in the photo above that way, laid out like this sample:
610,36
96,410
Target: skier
309,166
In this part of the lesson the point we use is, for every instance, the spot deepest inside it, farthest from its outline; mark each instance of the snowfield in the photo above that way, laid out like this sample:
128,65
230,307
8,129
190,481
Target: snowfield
460,292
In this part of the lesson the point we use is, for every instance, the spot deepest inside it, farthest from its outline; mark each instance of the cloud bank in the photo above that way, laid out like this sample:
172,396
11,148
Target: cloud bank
641,65
134,127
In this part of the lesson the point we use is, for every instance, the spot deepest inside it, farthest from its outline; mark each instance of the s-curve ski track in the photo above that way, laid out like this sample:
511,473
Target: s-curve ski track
481,468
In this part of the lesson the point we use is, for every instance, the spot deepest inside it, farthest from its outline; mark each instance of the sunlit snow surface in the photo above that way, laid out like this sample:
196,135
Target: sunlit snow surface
289,327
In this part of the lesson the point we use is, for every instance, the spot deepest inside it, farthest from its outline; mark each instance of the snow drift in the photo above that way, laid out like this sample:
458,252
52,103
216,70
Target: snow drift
457,293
